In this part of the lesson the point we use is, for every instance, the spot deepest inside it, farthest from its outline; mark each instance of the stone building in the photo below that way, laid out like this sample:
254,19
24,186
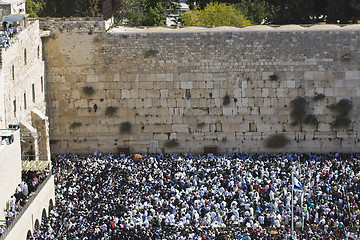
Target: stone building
9,7
26,134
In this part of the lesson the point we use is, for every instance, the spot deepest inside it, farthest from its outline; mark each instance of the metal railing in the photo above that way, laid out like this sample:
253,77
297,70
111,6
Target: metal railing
23,210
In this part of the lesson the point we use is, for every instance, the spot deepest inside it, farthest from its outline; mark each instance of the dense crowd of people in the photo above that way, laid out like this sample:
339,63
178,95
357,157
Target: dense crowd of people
23,192
196,197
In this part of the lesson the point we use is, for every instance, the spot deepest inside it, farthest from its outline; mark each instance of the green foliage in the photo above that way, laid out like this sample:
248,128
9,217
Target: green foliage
125,127
342,110
341,121
319,97
273,78
151,53
310,11
298,112
171,144
346,57
343,107
34,7
276,141
257,11
88,91
75,125
226,100
110,111
143,13
69,8
311,120
214,14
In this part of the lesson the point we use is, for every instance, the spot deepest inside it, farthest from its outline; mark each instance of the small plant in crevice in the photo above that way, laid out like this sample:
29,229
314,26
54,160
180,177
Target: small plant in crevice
88,91
110,111
226,100
276,141
150,53
273,78
125,127
319,97
200,125
95,107
298,111
345,57
311,119
171,144
342,110
75,125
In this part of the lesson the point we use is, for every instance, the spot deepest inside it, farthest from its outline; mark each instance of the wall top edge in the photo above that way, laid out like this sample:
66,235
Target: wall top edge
318,27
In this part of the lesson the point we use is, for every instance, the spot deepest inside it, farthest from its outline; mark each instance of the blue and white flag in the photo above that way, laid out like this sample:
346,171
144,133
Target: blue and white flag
296,183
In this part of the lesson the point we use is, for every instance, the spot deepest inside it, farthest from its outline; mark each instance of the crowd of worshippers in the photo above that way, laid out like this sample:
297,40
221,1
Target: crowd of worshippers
242,196
9,31
30,182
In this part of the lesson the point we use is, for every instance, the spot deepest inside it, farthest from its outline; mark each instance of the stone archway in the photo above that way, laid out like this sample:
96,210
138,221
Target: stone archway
29,142
41,123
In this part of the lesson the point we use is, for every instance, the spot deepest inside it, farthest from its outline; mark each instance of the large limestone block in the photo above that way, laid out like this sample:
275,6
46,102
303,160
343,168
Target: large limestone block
352,75
228,111
180,128
187,85
158,128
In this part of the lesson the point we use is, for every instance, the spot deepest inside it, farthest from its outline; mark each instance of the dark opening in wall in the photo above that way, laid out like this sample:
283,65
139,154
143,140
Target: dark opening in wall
33,92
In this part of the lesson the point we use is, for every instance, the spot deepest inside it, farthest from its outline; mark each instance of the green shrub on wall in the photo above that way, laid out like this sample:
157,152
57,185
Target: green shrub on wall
342,110
226,100
298,111
110,111
273,78
150,53
311,119
276,141
88,91
75,125
171,144
125,127
319,97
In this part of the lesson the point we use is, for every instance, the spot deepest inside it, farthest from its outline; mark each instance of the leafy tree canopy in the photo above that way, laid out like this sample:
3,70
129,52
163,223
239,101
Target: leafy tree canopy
214,14
143,13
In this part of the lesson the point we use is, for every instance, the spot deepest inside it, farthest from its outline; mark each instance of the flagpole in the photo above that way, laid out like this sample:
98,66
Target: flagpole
292,203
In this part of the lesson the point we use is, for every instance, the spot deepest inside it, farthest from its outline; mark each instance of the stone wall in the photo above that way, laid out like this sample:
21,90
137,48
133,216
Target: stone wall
182,90
22,94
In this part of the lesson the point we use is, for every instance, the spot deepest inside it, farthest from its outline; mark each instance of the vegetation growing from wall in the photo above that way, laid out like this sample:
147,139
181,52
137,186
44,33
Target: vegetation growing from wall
311,119
125,127
171,144
276,141
298,111
110,111
226,100
273,77
75,125
150,53
88,91
342,110
319,97
346,57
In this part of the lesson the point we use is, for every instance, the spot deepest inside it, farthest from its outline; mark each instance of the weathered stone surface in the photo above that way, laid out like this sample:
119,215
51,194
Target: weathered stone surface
180,91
